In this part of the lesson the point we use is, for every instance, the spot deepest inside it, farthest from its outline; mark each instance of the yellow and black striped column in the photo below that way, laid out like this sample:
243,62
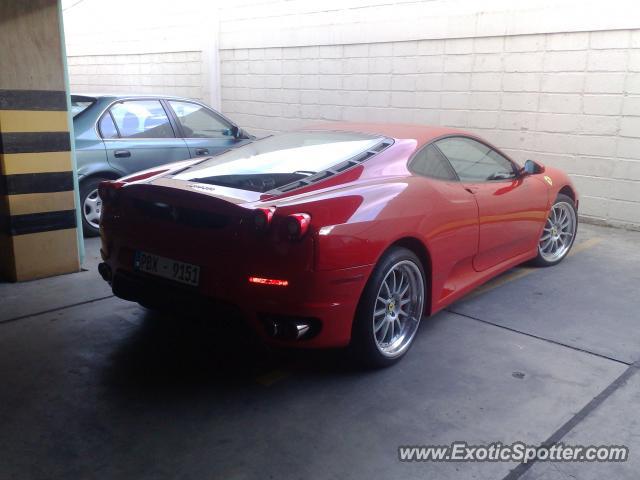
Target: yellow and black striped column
38,234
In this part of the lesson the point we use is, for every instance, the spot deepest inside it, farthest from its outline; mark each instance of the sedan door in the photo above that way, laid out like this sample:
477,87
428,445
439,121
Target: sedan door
139,135
512,208
204,131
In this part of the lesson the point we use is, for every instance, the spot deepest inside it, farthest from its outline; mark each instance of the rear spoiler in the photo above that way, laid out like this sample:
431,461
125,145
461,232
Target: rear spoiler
83,98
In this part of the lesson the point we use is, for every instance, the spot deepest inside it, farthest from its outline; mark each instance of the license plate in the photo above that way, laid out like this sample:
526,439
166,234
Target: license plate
167,268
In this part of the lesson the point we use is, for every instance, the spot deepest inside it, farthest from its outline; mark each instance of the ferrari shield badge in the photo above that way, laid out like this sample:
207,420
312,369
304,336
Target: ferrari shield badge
548,180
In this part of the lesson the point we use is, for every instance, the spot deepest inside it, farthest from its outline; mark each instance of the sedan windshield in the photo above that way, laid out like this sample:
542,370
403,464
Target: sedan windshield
275,161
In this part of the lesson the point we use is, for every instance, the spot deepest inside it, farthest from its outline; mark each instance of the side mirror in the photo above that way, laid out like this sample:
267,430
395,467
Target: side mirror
235,131
531,167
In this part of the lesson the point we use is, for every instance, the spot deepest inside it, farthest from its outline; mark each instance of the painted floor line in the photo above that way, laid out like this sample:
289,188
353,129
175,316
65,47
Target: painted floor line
498,282
524,271
271,377
57,309
592,242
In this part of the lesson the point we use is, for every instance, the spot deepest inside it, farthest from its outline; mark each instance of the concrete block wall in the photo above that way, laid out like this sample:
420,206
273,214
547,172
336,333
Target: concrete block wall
143,46
168,73
567,99
496,67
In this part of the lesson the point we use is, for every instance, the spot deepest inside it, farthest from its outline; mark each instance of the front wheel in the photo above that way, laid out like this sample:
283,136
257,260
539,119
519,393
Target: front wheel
390,309
559,232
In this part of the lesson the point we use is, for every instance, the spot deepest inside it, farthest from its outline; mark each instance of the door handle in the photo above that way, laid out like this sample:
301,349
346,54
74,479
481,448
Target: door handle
202,151
471,189
122,153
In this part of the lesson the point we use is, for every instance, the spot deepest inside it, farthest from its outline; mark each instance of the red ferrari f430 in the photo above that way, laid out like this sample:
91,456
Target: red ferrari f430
339,235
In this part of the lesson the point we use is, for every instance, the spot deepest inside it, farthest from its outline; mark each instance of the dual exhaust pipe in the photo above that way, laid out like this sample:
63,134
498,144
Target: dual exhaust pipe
288,328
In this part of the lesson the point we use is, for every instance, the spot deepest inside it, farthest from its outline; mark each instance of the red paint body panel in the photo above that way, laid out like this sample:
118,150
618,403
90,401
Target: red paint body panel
470,233
511,215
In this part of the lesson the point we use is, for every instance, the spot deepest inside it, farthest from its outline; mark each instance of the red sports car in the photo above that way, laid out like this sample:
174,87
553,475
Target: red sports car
343,234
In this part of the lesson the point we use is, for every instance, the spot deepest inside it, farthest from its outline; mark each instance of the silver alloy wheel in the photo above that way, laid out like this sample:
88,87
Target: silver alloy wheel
558,232
398,308
92,208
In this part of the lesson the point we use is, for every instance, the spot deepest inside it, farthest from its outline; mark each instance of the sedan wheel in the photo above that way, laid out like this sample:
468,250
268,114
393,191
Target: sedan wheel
559,232
390,309
91,208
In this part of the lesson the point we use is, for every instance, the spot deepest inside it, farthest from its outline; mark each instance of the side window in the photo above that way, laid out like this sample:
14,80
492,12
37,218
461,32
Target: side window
430,163
475,162
107,127
141,119
199,122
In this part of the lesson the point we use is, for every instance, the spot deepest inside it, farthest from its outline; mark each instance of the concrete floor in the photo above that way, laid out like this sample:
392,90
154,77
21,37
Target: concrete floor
96,387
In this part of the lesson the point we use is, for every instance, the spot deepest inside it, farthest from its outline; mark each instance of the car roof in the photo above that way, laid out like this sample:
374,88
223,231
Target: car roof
115,96
422,134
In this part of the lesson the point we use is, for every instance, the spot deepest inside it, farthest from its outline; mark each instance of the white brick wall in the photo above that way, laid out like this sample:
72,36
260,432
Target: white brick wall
497,67
96,27
566,99
278,23
147,46
173,73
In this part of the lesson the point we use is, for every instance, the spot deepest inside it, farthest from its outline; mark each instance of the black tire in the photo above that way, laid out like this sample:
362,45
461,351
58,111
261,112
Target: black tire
87,187
364,348
545,260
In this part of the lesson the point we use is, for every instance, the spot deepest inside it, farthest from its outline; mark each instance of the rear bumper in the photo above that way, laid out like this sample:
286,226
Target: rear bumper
326,300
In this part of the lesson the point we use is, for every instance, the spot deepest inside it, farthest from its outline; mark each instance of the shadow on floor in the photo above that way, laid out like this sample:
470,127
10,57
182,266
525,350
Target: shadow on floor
178,352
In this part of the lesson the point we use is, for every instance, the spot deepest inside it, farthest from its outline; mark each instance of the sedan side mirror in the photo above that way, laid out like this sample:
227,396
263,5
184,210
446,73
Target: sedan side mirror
531,167
236,131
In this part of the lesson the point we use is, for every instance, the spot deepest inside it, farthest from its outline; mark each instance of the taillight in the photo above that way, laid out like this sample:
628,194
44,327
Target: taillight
108,191
297,225
269,281
262,218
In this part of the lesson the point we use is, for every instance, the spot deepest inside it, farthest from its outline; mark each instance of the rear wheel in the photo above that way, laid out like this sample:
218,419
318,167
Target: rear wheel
390,309
559,232
91,206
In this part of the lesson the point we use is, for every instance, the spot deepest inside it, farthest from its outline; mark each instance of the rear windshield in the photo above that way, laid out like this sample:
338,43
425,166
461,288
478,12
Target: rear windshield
275,161
80,104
